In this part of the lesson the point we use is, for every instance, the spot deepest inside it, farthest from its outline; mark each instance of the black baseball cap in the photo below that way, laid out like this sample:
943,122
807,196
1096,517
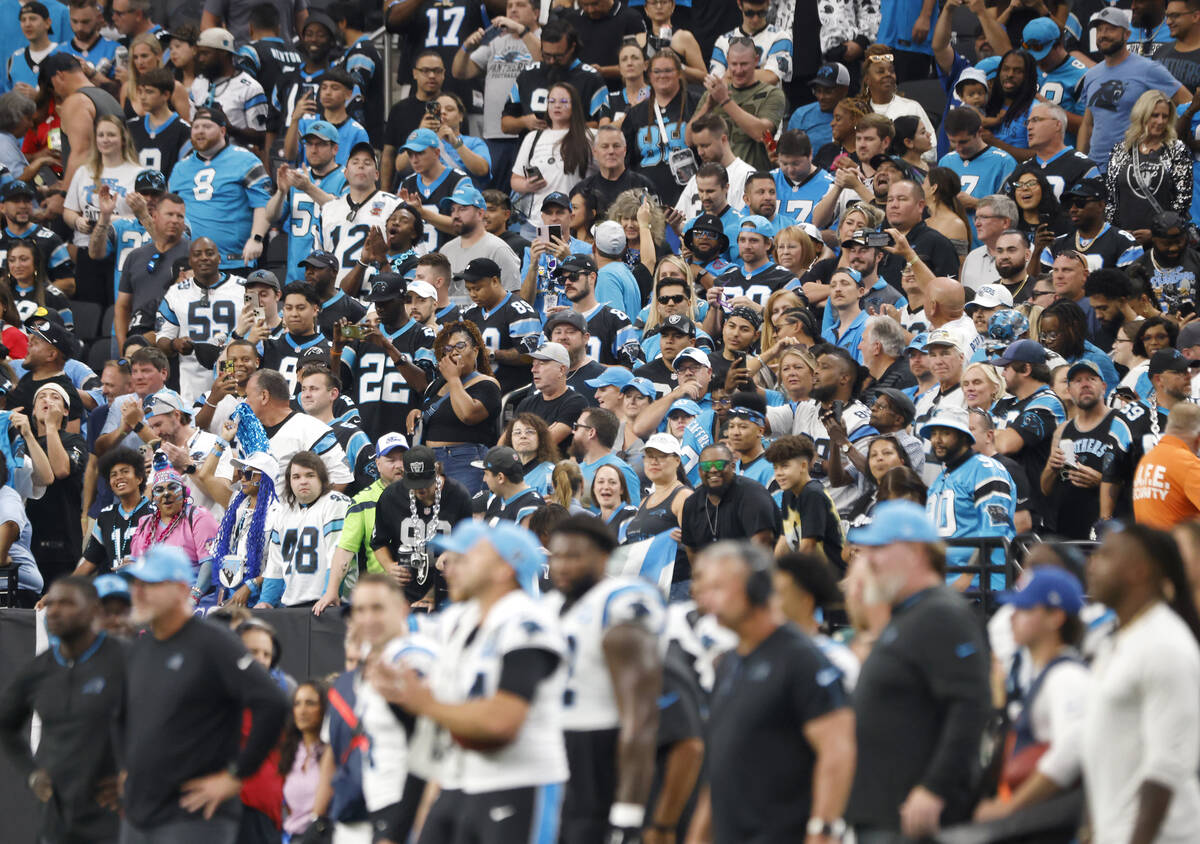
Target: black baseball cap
578,264
499,459
16,189
420,467
56,335
479,269
1087,189
320,260
214,113
1170,360
386,286
150,181
678,322
56,63
557,198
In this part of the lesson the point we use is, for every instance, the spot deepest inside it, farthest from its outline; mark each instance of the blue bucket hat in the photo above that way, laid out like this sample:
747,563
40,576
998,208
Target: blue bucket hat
1007,325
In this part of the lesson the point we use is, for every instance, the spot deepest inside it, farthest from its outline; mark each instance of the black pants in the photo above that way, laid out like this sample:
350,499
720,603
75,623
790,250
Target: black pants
94,279
911,67
526,815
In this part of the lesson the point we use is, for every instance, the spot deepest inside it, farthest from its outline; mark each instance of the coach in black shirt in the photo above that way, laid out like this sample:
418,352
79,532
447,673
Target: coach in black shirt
75,686
732,507
181,744
922,699
780,754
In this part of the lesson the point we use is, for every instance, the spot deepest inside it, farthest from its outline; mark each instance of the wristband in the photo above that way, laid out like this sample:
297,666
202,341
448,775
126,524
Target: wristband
137,429
219,447
257,238
627,815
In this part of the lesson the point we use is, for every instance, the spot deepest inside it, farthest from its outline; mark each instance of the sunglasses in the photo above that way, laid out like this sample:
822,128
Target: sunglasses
249,474
672,300
882,57
1034,46
713,465
1077,201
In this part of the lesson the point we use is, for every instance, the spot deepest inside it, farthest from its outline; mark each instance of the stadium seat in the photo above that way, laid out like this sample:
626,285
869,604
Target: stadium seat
930,94
87,319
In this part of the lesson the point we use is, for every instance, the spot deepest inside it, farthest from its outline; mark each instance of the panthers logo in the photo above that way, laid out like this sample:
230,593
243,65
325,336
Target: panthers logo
1109,95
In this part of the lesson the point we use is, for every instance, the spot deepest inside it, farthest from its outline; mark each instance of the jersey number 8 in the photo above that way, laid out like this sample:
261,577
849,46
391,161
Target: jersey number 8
202,185
301,550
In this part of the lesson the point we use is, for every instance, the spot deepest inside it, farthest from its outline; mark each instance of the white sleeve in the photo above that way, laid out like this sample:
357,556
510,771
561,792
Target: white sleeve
1065,691
1170,690
274,567
74,198
334,459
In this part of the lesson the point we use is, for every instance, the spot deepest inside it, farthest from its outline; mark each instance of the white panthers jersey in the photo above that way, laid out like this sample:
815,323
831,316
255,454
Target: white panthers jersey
202,315
391,754
445,753
299,432
589,702
344,229
537,756
700,637
303,542
241,97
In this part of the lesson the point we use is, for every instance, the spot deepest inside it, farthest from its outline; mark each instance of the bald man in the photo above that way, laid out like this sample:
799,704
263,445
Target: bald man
1166,487
945,299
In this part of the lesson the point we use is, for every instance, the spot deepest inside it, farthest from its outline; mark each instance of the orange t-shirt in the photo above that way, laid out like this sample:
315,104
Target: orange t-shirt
1166,486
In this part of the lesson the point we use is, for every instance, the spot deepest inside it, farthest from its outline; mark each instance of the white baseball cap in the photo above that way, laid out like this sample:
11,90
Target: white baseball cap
610,238
991,296
692,353
663,442
422,288
263,461
216,38
555,352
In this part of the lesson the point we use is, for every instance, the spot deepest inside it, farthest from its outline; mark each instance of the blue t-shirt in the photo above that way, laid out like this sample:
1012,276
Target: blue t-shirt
617,288
1014,132
220,194
350,132
796,201
588,470
1110,93
896,24
814,123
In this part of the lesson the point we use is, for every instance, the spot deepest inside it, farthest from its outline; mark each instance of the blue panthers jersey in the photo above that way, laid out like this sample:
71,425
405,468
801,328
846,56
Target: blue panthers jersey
983,175
1194,128
350,132
797,200
976,498
220,194
302,220
1064,85
125,236
695,440
103,50
22,67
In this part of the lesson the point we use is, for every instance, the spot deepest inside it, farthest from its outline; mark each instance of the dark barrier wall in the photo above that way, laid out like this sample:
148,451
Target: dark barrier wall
311,646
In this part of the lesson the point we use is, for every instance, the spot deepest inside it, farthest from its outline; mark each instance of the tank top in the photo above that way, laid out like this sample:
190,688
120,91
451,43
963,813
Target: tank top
651,521
103,103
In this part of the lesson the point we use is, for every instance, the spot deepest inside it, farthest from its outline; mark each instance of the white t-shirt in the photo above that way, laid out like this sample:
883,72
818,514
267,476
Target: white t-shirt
82,192
1142,722
547,157
979,269
738,171
903,106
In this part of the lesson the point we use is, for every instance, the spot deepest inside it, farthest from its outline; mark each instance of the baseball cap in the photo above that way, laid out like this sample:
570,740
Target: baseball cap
420,140
501,458
263,277
518,548
990,296
56,335
216,38
989,66
1049,586
971,74
150,181
897,520
420,467
212,113
1039,37
664,443
161,564
37,8
609,238
390,442
686,405
1083,366
580,263
553,352
1007,325
1189,336
831,75
16,189
692,353
900,401
363,146
612,376
338,75
678,322
1170,360
1113,16
942,337
422,289
1022,351
643,385
263,461
322,129
56,63
858,238
917,343
319,259
111,586
1087,189
757,224
465,194
568,317
386,286
478,269
557,198
950,417
710,223
163,401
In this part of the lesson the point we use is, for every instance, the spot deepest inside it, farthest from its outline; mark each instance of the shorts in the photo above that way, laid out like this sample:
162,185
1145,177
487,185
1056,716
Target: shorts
527,815
592,757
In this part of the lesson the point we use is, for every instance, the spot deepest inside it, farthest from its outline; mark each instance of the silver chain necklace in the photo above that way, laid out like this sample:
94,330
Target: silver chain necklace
421,556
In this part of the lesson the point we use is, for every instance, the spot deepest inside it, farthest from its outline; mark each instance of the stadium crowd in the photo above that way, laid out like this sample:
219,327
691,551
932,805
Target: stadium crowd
908,288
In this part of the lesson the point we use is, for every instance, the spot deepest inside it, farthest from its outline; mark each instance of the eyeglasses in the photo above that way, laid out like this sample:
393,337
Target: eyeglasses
576,426
1038,293
168,488
430,71
882,57
459,346
713,465
672,300
721,402
1029,185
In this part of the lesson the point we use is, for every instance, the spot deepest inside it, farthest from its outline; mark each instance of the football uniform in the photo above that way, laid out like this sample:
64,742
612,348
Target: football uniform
345,225
1114,247
124,236
112,532
159,146
221,193
284,355
975,498
797,199
360,454
303,542
1034,418
758,285
302,219
614,340
298,432
55,257
432,194
267,59
856,417
240,96
1066,168
532,88
202,315
512,509
381,392
1134,431
984,174
774,47
699,638
512,324
1063,86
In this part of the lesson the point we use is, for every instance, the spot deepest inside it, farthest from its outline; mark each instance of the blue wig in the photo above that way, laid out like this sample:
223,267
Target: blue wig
256,542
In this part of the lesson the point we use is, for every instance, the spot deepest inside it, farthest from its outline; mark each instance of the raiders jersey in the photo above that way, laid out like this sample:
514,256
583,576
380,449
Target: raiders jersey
202,315
345,225
303,542
474,653
589,702
1135,430
380,390
159,146
512,509
756,285
513,324
432,193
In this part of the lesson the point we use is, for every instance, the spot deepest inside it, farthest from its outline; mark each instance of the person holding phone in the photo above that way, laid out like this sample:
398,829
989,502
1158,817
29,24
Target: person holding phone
557,158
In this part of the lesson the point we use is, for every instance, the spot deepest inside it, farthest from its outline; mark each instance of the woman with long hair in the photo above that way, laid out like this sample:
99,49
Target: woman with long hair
529,436
879,91
632,65
610,494
29,287
946,212
555,158
243,537
673,294
661,33
780,303
843,124
1036,203
884,453
585,209
459,408
911,141
1007,108
567,480
300,754
982,386
1150,171
145,54
305,532
856,217
645,226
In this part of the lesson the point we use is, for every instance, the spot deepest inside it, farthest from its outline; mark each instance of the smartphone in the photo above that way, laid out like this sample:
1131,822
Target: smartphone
352,332
1186,309
490,34
1045,218
547,232
1068,450
433,109
878,239
310,91
260,314
533,173
227,367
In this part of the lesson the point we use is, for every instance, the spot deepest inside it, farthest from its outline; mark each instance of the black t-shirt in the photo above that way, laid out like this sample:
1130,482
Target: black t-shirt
760,764
931,246
607,190
403,534
442,423
1072,510
404,118
920,705
659,374
21,398
565,409
645,147
578,379
56,540
745,510
597,38
112,535
1183,65
813,514
897,376
186,719
338,306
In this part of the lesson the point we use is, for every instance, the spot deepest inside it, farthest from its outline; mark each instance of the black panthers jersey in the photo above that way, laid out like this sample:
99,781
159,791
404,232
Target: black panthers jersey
532,87
363,62
1067,169
380,389
1135,429
649,152
513,509
513,324
55,257
112,535
158,148
614,340
759,285
267,59
432,193
360,454
288,355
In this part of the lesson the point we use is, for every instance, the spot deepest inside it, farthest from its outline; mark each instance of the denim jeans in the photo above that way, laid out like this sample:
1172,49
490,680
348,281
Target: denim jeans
456,463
